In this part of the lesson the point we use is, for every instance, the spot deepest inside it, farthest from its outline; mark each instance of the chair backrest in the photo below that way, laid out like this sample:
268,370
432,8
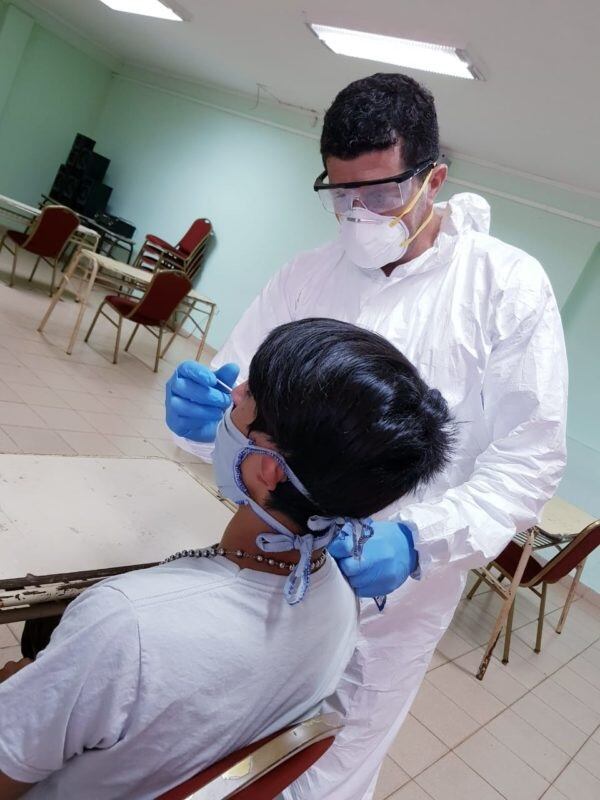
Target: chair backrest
196,233
52,230
194,261
570,556
262,770
164,293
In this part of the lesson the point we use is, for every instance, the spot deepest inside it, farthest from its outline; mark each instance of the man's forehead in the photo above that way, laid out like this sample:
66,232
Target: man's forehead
369,166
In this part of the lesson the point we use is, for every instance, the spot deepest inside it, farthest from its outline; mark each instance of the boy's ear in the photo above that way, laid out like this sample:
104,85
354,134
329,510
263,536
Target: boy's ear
270,473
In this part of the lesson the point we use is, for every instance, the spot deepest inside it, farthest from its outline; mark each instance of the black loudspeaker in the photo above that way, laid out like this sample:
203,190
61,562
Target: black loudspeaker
64,188
90,164
78,183
92,196
80,144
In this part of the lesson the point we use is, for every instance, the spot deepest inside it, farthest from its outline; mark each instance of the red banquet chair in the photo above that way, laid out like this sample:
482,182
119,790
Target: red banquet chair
46,238
153,310
186,255
261,771
537,576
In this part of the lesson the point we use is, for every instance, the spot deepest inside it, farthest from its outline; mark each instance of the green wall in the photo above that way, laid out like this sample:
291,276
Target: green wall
581,484
252,180
57,91
180,150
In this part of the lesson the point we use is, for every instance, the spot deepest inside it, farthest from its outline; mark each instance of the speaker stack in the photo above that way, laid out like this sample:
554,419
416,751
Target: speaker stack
78,183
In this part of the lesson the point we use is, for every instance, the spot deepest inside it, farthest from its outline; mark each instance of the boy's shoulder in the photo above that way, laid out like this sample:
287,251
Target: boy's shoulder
164,582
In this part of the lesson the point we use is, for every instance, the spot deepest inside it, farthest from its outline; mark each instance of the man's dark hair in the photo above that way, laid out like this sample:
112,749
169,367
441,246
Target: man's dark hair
351,416
377,112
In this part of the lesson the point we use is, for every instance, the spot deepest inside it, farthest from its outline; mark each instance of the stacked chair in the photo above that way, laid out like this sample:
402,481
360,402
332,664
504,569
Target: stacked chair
187,255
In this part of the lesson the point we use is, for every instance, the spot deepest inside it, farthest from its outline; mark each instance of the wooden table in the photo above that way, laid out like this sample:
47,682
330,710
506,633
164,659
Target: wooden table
24,214
66,522
86,264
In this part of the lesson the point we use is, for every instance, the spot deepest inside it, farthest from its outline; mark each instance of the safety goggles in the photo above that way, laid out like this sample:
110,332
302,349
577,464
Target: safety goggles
380,196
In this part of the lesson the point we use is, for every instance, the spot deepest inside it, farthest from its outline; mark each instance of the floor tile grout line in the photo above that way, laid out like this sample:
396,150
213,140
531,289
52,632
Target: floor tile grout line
495,716
592,734
530,622
409,781
483,778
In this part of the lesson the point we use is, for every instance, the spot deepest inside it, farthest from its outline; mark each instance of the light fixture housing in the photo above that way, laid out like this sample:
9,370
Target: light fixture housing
425,56
145,8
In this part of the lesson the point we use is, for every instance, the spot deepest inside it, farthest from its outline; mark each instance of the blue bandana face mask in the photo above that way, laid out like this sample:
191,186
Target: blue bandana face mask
231,448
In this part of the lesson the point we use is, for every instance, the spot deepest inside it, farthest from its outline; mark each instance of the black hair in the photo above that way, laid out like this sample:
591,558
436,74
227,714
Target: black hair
377,112
351,416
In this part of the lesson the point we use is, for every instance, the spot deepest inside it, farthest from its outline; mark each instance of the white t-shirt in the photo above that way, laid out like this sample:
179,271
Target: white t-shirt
154,675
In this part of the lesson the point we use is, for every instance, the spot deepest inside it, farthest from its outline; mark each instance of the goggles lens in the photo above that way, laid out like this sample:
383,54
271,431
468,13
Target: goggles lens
380,198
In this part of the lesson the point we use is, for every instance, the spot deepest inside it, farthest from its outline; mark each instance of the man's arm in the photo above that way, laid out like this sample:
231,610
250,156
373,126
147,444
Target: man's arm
525,406
10,789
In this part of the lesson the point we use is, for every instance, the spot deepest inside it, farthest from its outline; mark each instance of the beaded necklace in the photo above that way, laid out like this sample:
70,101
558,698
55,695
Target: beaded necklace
217,550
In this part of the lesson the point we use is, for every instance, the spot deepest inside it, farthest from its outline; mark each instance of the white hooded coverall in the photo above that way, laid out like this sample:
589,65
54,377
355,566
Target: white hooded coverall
479,320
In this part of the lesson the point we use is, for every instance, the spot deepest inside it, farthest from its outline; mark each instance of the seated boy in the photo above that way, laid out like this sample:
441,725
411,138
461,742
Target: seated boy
154,675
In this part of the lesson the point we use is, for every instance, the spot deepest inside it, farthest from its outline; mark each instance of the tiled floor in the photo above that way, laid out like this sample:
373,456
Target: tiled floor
529,730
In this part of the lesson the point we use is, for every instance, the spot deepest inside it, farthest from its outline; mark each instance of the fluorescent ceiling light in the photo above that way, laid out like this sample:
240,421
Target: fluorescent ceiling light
400,52
146,8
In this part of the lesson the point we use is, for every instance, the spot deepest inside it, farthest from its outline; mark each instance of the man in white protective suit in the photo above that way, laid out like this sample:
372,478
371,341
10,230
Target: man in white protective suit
479,320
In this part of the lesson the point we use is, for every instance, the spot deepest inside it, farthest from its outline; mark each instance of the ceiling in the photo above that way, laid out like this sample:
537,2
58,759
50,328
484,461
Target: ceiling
538,109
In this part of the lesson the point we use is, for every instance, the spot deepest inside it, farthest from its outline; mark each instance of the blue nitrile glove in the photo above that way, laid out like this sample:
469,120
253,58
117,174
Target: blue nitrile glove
194,402
388,559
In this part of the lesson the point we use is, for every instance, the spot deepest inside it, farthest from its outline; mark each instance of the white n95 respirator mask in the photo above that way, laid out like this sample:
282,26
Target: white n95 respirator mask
373,240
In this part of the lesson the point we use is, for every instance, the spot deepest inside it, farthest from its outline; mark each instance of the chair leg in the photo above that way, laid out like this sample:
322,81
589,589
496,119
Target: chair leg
14,266
506,606
540,626
96,315
570,596
117,340
35,266
53,278
158,346
508,631
131,337
476,585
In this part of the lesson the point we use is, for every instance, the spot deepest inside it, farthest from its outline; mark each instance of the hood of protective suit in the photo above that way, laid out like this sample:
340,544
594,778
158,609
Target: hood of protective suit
464,212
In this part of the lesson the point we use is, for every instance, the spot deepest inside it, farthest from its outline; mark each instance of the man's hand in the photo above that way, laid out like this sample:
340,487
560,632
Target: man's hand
388,559
195,403
9,669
